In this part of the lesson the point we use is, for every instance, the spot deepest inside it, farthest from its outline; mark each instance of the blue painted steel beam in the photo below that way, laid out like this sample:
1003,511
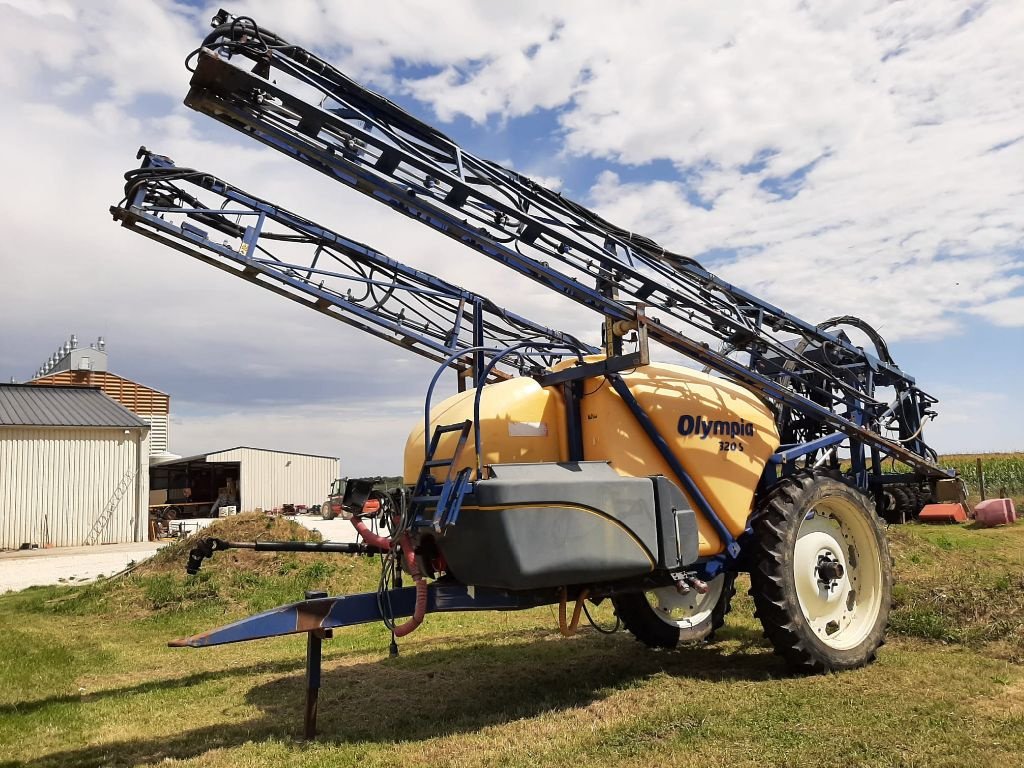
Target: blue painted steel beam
348,610
399,175
163,208
731,546
795,452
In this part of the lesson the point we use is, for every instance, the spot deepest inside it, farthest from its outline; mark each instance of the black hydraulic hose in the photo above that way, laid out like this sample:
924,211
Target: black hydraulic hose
876,338
598,627
206,547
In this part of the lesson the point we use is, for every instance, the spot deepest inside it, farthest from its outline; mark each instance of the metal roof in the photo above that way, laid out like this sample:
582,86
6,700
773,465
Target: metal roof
25,405
205,456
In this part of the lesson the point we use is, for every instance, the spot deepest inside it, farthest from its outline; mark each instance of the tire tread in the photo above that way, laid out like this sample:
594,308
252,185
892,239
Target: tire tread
772,588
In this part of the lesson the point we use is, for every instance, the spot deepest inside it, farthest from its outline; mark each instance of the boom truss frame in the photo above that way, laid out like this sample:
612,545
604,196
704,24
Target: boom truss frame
824,387
333,274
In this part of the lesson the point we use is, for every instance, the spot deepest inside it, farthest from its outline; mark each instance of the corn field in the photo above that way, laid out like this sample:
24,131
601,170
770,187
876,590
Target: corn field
1001,470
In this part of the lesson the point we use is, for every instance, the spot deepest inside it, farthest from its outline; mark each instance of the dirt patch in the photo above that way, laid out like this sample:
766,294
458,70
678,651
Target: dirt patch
246,527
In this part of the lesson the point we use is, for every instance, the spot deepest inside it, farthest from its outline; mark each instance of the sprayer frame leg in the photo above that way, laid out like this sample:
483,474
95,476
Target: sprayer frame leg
314,658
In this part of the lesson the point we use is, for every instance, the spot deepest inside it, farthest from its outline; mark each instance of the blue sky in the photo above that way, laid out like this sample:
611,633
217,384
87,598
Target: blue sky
849,158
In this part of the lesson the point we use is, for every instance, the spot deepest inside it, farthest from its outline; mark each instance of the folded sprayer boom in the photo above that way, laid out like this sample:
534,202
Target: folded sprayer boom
331,273
826,388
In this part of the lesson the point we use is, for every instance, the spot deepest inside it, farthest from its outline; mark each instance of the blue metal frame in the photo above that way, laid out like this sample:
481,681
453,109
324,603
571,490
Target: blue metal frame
349,610
163,207
705,508
371,145
792,453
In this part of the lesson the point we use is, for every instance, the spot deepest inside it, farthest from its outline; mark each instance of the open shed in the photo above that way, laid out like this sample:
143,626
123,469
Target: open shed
252,478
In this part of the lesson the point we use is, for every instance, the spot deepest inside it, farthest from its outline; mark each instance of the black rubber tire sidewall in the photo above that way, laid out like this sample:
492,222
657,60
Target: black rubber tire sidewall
773,577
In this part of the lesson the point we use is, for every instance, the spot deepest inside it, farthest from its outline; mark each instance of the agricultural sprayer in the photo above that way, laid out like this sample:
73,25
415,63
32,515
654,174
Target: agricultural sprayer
560,472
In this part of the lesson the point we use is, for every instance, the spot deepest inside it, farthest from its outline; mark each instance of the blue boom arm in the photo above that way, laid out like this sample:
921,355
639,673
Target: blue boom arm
326,271
821,382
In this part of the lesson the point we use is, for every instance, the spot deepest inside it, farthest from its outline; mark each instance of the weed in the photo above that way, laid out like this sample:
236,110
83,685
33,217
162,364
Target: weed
960,585
317,571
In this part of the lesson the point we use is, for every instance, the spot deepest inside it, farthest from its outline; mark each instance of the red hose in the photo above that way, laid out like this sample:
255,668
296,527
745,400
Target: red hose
371,538
421,591
383,542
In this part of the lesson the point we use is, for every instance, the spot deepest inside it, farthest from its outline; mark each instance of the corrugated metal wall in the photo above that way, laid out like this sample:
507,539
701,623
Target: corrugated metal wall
55,482
269,479
157,432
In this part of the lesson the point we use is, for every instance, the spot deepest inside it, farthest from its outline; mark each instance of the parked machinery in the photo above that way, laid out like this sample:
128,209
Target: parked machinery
562,472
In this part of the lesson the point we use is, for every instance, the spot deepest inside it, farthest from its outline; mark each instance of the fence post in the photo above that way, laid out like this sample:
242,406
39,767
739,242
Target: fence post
981,479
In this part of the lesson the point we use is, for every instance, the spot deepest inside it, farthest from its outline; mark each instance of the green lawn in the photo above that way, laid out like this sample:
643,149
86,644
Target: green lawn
87,680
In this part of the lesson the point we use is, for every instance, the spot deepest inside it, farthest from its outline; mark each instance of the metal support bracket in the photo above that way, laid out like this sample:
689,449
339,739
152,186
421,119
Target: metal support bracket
314,666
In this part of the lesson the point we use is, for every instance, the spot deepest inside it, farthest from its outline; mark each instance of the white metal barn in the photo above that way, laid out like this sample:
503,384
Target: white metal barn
265,479
73,468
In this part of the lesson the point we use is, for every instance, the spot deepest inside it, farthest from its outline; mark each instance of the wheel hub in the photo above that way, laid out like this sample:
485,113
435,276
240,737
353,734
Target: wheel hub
829,571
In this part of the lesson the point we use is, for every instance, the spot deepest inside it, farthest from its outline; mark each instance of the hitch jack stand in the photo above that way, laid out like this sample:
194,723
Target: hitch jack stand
314,648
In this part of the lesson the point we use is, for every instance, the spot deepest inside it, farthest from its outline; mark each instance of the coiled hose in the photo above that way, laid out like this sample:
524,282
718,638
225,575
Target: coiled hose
385,543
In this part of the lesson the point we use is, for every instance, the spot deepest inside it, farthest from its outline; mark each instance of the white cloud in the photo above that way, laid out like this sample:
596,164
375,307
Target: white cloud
367,438
130,47
1005,312
911,216
365,37
902,122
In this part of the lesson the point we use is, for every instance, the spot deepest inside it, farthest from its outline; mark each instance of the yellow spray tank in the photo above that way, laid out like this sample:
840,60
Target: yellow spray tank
721,433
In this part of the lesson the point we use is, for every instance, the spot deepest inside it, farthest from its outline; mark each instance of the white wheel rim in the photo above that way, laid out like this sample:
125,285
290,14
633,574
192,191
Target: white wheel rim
685,611
838,573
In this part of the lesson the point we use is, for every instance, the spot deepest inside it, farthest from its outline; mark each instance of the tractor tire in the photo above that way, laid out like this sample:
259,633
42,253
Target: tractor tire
821,574
922,496
662,618
887,509
326,512
902,504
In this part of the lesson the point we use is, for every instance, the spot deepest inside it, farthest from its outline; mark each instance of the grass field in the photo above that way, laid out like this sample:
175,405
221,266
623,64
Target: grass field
87,679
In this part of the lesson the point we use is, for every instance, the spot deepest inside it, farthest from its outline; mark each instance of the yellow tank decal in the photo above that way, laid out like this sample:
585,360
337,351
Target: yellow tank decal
577,507
721,433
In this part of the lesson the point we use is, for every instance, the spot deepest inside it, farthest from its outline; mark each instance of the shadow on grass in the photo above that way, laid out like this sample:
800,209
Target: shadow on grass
463,688
197,678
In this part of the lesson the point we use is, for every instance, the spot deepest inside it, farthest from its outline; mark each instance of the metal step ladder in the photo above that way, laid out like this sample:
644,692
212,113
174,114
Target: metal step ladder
100,523
445,498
